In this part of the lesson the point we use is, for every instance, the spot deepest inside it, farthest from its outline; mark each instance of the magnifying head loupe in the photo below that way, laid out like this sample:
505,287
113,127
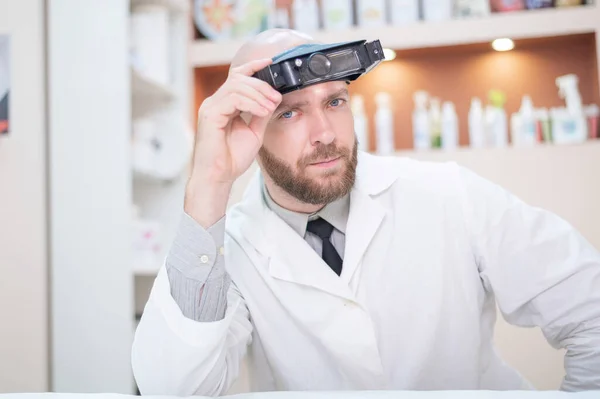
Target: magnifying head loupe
311,63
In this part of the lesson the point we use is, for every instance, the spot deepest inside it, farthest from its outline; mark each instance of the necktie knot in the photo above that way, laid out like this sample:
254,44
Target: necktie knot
321,228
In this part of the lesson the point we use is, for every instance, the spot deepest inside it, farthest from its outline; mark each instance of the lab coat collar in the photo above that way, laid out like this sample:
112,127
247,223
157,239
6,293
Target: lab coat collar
290,257
335,212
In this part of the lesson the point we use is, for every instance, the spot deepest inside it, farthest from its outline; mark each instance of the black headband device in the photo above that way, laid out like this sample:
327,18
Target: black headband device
309,64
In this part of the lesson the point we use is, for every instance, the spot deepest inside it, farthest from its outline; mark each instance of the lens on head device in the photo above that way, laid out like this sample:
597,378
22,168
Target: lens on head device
311,63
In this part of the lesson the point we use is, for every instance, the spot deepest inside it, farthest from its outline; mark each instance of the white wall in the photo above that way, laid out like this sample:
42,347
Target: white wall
23,255
89,106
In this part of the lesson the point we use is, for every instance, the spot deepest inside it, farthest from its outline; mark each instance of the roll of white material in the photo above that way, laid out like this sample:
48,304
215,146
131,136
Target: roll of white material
162,147
150,41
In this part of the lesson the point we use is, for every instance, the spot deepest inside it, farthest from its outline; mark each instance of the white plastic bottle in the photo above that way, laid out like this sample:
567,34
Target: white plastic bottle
306,15
476,124
435,122
404,12
384,124
371,13
337,14
524,124
280,18
471,8
421,128
496,122
360,122
569,124
542,117
437,10
449,126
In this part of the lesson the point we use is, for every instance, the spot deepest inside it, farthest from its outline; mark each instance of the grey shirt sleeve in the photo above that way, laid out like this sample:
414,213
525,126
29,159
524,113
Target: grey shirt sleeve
196,269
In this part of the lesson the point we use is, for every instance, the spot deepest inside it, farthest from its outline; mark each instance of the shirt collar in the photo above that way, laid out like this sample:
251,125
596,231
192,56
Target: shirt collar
335,212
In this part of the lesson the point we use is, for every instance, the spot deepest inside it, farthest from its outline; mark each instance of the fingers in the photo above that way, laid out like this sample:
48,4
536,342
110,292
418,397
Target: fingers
253,89
238,102
244,93
263,87
250,68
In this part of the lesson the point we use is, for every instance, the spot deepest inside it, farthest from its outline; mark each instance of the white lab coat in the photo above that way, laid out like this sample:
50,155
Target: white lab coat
429,248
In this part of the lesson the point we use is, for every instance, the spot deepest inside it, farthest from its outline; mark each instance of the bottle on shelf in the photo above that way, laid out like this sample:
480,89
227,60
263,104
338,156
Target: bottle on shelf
569,124
420,119
569,3
437,10
281,18
435,122
543,127
471,8
337,14
523,124
496,124
535,4
384,124
306,15
357,104
404,12
449,126
507,5
477,134
371,13
592,114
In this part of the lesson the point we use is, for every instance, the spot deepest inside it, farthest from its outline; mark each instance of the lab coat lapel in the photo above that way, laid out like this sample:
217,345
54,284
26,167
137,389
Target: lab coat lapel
365,217
291,258
366,212
295,261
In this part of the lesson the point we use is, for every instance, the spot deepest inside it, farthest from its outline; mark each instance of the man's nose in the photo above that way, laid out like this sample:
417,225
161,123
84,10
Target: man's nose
321,129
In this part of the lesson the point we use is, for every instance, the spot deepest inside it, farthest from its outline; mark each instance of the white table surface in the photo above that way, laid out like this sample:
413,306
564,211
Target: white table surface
342,395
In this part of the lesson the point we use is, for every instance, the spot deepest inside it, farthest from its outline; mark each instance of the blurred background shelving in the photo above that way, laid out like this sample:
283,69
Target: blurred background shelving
176,6
453,60
422,34
162,134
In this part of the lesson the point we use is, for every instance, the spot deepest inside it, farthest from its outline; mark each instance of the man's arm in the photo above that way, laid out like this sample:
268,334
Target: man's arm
542,273
196,269
177,355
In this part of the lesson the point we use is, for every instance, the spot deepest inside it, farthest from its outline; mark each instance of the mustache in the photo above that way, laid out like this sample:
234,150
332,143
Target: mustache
323,152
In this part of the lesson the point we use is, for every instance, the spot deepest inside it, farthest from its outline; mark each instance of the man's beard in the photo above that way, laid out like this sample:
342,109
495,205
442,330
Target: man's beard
306,189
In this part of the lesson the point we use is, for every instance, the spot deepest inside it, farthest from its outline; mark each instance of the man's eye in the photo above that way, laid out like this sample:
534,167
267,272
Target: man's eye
337,102
287,115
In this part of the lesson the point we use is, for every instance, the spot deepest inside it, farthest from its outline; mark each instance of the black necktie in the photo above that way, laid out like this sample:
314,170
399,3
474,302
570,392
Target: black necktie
323,230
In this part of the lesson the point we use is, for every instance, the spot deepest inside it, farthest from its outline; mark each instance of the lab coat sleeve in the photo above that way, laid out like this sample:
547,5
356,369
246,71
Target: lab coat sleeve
542,272
175,355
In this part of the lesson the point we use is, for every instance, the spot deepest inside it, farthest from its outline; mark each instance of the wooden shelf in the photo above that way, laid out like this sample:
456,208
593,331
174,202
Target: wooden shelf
516,25
176,6
494,155
148,96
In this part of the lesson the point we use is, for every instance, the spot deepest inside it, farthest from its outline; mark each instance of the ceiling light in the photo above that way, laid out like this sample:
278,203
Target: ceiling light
389,54
503,44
